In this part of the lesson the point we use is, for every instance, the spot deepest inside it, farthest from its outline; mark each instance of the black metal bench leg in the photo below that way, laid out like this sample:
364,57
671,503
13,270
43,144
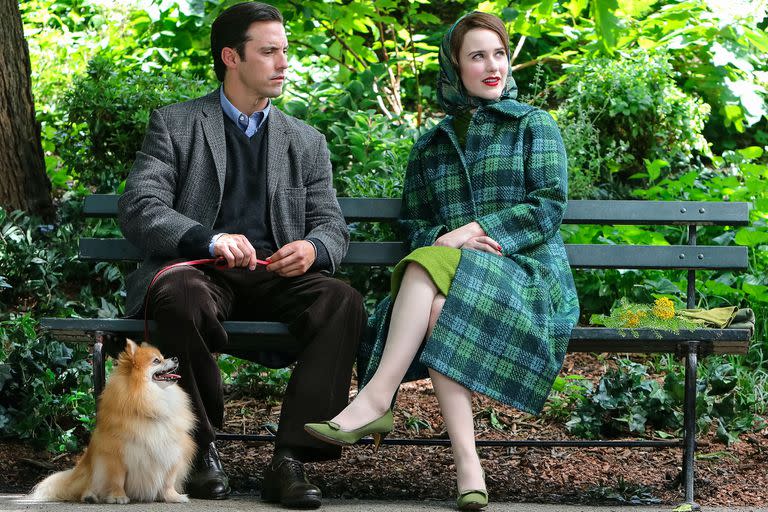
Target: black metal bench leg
99,358
689,427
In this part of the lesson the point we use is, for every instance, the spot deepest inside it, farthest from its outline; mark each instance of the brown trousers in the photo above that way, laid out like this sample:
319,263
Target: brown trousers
326,315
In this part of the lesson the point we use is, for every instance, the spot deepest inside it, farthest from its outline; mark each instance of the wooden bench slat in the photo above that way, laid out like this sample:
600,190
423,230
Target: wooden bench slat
700,257
274,336
578,211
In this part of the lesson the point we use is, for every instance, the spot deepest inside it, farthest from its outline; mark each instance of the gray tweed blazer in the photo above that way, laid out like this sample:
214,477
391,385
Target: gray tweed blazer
177,182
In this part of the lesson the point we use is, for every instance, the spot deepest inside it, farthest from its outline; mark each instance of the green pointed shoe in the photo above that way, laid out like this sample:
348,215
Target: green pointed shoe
331,432
472,500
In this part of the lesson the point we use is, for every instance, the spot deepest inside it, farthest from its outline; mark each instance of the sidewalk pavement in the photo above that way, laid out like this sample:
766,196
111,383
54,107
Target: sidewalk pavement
18,503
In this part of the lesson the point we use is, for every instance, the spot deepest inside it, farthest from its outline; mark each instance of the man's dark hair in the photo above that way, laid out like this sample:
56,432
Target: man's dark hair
230,28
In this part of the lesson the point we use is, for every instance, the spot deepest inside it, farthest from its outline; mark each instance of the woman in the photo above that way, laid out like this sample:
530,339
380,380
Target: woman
486,301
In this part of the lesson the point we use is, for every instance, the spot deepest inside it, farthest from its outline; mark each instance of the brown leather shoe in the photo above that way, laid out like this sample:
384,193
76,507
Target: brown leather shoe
207,480
286,483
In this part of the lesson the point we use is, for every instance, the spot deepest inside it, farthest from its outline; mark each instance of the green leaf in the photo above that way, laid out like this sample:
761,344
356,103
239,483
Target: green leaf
495,423
636,8
558,385
606,23
509,14
654,168
757,37
722,379
751,153
751,237
756,291
750,97
545,7
715,288
724,435
576,7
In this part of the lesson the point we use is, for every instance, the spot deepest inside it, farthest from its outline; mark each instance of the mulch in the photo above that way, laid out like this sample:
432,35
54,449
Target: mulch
733,475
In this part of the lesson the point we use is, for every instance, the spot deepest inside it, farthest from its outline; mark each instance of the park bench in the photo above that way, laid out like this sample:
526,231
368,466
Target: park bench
245,337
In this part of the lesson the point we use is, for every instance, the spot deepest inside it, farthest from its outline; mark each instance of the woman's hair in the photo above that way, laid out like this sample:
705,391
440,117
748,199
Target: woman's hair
230,28
472,21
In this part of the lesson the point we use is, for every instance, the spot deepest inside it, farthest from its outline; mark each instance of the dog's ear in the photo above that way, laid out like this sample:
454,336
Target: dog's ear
130,347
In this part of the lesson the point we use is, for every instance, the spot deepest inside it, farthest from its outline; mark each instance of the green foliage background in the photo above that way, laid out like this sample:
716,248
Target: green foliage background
657,100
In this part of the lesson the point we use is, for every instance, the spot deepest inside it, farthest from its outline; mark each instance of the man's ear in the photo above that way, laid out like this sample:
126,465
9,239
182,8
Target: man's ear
229,57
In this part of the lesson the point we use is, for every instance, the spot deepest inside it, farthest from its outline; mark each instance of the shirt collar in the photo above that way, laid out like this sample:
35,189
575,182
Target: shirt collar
235,115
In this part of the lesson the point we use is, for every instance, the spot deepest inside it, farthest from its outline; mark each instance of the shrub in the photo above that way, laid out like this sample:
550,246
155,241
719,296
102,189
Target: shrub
34,259
369,151
627,110
44,387
629,401
107,111
45,384
588,156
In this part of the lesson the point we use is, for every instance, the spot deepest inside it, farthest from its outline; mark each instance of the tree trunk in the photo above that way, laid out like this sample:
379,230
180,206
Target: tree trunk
24,184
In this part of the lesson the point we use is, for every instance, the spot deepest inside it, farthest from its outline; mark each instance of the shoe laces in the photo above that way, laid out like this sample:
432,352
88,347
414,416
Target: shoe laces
294,467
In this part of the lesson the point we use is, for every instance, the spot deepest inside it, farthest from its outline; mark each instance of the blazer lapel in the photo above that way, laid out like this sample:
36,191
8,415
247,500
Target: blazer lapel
213,127
278,143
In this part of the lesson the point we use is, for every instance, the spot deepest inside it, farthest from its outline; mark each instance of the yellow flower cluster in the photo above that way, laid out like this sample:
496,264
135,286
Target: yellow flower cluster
664,308
660,315
632,318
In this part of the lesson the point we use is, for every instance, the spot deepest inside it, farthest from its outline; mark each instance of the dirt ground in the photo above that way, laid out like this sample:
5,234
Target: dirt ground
725,476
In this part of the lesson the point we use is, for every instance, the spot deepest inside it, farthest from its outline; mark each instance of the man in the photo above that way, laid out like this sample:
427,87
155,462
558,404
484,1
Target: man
230,176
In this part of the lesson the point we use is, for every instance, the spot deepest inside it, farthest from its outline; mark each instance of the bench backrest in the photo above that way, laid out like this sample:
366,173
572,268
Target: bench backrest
686,256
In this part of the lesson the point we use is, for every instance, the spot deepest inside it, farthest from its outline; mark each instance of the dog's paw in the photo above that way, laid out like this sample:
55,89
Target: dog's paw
89,497
175,497
120,500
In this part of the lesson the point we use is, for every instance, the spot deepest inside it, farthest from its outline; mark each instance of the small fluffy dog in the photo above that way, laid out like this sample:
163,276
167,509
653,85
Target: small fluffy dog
141,448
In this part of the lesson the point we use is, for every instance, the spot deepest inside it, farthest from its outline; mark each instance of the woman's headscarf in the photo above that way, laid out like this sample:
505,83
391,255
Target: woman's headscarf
451,94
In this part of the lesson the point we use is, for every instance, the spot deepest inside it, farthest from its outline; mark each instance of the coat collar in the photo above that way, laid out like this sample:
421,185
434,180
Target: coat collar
278,141
508,108
278,144
213,127
511,108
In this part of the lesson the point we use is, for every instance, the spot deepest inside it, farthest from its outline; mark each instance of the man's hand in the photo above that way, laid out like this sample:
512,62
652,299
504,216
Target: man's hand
236,249
292,259
483,243
459,236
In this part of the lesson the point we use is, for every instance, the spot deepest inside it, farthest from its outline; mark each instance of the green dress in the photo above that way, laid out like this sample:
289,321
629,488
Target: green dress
439,262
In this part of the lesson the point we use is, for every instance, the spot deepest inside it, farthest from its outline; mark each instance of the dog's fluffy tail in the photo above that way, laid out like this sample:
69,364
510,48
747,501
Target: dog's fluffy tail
62,486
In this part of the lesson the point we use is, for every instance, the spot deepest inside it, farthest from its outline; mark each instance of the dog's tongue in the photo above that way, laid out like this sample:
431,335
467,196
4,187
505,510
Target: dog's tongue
171,376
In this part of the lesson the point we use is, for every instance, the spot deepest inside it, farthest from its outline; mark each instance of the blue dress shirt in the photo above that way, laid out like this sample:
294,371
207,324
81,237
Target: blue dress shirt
249,124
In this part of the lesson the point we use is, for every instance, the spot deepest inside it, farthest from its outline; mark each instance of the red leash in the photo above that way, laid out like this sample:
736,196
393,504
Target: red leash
221,262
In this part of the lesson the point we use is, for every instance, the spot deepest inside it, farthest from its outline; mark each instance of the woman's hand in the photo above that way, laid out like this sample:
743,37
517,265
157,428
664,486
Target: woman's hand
483,243
459,236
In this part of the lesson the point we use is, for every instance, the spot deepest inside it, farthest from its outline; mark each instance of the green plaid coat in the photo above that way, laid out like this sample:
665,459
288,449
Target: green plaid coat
505,325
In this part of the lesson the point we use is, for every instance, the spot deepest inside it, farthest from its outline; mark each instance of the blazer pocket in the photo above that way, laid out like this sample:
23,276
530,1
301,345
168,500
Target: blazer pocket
291,211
